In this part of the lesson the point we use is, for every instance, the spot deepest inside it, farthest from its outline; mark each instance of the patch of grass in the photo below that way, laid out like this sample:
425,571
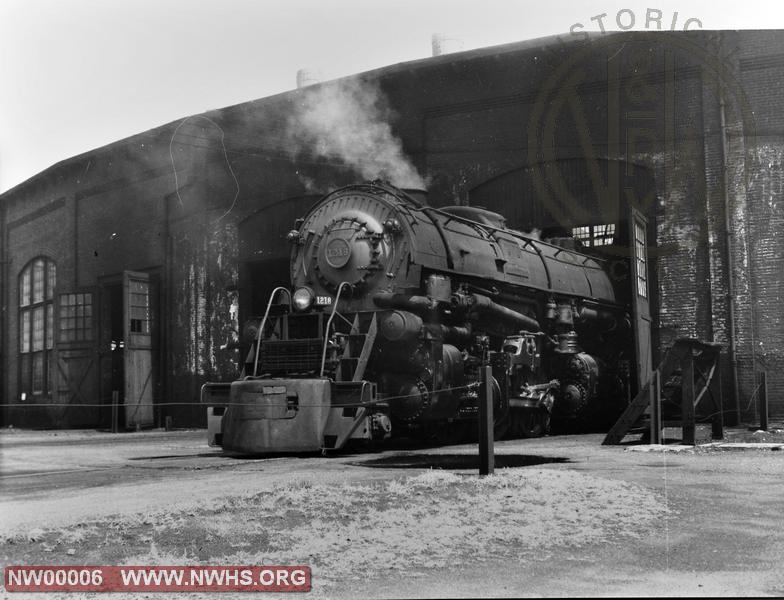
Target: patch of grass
357,530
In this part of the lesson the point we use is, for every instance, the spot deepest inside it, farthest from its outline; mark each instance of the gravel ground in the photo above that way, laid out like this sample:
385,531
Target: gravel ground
564,516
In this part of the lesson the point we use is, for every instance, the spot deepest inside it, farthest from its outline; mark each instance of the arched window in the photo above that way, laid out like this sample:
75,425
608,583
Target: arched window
36,325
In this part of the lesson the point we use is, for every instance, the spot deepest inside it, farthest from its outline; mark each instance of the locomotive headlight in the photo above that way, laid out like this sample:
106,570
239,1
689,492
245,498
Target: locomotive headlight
303,298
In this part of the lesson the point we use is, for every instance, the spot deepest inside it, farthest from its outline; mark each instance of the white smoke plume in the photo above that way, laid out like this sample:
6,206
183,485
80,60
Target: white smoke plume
535,233
347,121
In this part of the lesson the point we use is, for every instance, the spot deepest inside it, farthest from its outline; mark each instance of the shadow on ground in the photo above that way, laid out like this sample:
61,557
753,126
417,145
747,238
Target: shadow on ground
455,461
176,456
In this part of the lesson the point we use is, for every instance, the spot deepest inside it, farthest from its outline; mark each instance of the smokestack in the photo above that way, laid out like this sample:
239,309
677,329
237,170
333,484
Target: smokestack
446,44
306,77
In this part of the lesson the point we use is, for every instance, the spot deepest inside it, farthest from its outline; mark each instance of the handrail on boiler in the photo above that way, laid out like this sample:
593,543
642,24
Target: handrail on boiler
329,324
259,333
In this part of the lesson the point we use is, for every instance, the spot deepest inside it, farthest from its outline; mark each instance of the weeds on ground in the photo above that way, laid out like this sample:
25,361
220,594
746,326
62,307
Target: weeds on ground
350,531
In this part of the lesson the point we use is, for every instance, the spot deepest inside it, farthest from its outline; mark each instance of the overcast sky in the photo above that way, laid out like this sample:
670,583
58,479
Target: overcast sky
78,74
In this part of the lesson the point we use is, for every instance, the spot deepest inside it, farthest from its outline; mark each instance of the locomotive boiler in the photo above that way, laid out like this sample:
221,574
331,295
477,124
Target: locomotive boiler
395,307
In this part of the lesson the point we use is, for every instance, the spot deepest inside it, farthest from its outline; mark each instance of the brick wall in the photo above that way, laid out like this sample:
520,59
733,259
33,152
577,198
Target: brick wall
464,120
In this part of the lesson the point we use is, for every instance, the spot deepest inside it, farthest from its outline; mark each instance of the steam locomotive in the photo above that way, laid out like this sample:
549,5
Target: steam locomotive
394,309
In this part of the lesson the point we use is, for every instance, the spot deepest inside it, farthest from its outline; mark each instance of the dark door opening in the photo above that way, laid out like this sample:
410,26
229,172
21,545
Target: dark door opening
257,280
112,352
127,366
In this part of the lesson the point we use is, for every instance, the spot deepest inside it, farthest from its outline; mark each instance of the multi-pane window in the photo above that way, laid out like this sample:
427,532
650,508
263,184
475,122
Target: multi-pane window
595,235
640,257
603,235
76,317
139,307
36,325
582,233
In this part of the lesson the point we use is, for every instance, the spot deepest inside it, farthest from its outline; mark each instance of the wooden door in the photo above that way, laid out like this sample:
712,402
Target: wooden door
641,303
76,362
138,372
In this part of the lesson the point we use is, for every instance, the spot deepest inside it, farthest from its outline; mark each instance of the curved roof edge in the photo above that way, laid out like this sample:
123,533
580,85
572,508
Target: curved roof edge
544,43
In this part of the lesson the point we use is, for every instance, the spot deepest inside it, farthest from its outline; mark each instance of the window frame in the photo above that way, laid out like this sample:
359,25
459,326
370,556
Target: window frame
590,234
640,260
83,320
37,289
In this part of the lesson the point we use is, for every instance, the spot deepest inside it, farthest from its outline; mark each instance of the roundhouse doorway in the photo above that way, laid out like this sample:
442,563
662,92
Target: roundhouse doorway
128,338
265,251
591,201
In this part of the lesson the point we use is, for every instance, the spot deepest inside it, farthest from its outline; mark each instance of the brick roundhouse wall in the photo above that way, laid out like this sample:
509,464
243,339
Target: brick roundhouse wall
465,120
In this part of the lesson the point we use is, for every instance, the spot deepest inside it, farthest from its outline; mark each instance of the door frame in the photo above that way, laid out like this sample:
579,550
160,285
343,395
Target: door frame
133,416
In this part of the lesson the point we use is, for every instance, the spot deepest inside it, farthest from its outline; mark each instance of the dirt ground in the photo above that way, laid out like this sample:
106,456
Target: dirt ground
563,515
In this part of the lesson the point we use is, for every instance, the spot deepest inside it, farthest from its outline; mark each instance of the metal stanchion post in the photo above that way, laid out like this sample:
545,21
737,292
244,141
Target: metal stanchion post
717,423
115,409
486,441
763,399
688,421
655,399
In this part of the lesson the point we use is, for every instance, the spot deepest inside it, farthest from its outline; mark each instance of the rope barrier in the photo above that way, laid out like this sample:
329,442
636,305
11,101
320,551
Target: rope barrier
205,404
299,405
